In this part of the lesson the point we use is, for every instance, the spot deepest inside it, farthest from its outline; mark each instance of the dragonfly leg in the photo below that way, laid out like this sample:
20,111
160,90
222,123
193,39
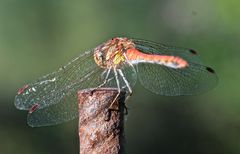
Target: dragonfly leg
118,86
129,62
103,74
106,78
125,80
128,86
110,108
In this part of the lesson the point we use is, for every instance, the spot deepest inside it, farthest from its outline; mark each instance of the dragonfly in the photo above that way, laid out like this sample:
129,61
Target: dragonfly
117,63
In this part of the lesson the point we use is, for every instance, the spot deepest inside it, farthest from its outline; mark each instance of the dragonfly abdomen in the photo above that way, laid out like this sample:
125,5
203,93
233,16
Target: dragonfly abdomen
135,56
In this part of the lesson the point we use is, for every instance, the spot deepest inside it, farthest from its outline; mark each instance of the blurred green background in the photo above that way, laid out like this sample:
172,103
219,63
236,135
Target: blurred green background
36,37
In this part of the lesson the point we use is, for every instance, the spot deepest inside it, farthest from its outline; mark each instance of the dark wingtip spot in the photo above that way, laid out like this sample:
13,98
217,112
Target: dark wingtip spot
193,51
209,69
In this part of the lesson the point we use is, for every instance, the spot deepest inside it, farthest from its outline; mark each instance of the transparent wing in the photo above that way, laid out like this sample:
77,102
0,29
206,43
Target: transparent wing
130,75
194,79
67,108
52,88
53,98
154,48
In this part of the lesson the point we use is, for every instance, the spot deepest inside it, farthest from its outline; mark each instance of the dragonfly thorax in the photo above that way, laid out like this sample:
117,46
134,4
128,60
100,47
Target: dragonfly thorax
112,53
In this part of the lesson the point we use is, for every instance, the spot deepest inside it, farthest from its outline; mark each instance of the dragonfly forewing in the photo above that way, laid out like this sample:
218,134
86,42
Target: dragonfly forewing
149,47
193,79
51,88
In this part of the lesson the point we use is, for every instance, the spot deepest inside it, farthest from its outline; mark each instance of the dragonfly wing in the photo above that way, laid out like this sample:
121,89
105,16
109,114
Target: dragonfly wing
65,110
54,98
52,88
194,79
67,107
149,47
130,75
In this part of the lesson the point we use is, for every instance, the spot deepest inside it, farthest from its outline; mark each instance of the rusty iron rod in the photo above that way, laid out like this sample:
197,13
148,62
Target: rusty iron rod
101,130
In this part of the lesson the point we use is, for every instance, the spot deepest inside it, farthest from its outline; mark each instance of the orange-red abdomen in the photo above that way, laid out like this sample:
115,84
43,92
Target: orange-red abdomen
137,56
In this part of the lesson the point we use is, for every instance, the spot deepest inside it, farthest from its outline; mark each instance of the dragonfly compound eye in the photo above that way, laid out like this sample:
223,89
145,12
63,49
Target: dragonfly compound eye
99,58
